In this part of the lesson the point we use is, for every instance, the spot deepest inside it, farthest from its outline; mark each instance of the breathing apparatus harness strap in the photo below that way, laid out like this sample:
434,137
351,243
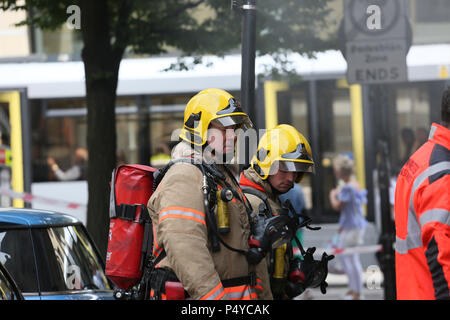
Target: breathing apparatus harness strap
261,195
210,175
211,172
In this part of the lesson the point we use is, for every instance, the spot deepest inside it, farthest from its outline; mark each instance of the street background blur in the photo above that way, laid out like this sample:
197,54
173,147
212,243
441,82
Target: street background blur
363,78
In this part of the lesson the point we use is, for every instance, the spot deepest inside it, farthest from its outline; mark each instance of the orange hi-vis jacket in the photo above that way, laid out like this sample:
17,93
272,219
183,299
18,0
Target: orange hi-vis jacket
422,220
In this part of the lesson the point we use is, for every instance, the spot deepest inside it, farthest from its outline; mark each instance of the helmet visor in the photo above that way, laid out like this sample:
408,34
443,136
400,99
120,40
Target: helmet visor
233,107
233,115
296,166
300,153
241,121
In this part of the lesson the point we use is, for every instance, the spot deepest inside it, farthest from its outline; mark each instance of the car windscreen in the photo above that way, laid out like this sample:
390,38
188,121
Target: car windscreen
66,260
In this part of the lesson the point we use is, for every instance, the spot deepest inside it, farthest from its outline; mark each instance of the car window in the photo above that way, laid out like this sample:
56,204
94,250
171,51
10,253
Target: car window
16,254
66,260
6,290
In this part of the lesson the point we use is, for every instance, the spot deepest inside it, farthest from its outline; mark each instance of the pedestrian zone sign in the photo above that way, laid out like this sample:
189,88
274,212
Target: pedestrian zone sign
376,41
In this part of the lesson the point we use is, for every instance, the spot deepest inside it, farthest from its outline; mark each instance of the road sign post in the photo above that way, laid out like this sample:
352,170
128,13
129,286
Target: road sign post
377,37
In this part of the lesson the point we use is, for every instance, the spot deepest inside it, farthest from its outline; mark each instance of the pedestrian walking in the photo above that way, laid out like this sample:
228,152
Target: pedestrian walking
348,199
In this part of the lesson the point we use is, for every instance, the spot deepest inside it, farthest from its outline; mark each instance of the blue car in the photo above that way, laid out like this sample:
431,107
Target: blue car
51,256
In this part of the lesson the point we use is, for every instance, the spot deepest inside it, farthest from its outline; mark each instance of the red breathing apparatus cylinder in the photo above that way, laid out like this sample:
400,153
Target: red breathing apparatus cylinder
174,291
131,188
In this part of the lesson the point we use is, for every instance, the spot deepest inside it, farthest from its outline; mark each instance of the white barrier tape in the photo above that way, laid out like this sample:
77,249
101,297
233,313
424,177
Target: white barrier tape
343,251
28,197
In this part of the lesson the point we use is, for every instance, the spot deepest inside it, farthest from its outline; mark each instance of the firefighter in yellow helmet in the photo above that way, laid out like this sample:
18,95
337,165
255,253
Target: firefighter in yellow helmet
200,216
283,157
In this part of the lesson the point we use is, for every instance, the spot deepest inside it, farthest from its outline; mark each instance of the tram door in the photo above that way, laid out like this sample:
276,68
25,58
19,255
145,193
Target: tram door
328,113
14,148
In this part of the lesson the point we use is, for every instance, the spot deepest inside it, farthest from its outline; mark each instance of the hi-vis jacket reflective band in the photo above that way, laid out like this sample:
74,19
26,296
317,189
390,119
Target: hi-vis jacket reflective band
215,294
242,292
414,238
422,219
157,250
182,213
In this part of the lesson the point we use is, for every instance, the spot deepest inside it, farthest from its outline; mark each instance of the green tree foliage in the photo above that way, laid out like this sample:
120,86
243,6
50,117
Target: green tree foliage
109,27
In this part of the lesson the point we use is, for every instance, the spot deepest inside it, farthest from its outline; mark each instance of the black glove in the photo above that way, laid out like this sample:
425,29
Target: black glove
278,288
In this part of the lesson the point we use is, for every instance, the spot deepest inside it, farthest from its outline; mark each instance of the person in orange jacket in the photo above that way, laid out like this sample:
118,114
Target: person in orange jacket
422,217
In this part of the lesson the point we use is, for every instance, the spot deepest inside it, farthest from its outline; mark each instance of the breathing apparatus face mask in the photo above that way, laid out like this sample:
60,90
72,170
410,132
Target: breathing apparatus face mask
270,233
278,231
316,271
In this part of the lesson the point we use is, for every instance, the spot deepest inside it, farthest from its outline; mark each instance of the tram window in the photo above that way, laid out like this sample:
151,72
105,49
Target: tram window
335,137
300,122
300,112
413,114
5,127
438,12
59,126
342,124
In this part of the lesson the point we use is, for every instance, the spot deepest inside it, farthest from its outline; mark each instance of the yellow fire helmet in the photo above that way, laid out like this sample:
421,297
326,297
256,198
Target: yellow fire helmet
282,148
206,106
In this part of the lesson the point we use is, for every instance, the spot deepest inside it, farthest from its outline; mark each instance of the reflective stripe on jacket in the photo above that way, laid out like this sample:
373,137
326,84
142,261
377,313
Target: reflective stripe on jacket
422,220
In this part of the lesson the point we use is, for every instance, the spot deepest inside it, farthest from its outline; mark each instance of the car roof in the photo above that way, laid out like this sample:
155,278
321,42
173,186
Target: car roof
35,217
